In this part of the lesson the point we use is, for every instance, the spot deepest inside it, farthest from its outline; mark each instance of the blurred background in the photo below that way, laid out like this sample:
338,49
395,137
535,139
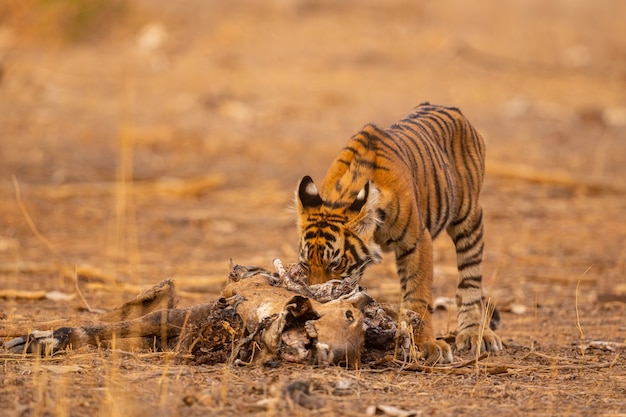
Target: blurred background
154,138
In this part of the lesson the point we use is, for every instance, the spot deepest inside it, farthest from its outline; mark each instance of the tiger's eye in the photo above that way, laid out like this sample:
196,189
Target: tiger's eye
333,265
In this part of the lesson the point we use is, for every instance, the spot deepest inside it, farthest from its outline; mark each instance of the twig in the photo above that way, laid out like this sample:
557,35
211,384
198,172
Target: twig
496,62
27,267
471,361
80,294
578,325
606,345
531,174
456,369
550,368
550,358
30,222
25,295
161,187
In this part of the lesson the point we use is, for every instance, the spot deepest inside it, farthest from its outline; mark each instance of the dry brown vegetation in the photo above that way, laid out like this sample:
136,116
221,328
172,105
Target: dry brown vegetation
149,140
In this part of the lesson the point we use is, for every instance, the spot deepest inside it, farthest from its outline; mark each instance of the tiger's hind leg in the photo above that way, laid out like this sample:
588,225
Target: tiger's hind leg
473,325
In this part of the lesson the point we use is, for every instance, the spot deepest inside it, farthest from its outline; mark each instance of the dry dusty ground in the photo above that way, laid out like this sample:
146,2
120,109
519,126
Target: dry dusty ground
153,140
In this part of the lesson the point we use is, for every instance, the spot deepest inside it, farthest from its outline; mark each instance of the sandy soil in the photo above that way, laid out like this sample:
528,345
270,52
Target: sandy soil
153,141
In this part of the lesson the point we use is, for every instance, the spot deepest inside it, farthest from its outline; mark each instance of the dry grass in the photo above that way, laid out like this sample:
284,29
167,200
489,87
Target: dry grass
65,21
132,165
112,380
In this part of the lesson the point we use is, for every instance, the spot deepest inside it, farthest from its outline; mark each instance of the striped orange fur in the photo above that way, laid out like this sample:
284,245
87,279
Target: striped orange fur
395,190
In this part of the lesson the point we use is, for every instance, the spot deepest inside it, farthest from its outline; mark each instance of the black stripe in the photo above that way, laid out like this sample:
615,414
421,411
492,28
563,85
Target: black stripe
343,161
368,141
474,239
370,164
471,303
436,161
381,214
446,117
473,282
323,224
405,228
396,150
351,149
474,260
463,217
468,326
393,218
406,253
466,265
470,164
320,234
402,150
477,223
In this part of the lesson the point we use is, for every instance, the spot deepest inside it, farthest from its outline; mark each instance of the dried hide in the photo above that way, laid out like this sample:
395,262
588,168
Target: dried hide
262,317
292,327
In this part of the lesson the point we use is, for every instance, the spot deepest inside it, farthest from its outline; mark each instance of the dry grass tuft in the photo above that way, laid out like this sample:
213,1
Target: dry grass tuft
64,20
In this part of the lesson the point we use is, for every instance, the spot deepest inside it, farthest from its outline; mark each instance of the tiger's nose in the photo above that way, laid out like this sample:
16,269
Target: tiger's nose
318,276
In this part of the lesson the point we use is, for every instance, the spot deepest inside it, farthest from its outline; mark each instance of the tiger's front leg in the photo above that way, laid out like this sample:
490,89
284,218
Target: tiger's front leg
415,269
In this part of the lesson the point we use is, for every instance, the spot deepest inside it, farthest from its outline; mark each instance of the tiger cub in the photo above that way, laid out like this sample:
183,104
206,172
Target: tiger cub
395,190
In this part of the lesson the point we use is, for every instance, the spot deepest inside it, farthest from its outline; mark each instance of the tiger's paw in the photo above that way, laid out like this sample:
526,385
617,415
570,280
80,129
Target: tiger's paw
436,352
468,339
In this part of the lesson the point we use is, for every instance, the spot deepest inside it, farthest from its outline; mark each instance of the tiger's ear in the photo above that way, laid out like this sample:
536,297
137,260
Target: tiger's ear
363,218
308,195
361,198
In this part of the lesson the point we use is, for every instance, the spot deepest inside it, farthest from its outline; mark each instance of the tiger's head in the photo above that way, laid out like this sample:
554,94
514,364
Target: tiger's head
336,231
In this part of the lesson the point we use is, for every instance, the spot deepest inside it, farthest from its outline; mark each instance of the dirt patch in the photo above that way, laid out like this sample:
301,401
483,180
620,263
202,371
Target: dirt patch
173,143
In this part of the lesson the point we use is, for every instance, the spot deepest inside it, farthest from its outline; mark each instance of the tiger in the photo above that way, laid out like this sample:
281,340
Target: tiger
395,190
